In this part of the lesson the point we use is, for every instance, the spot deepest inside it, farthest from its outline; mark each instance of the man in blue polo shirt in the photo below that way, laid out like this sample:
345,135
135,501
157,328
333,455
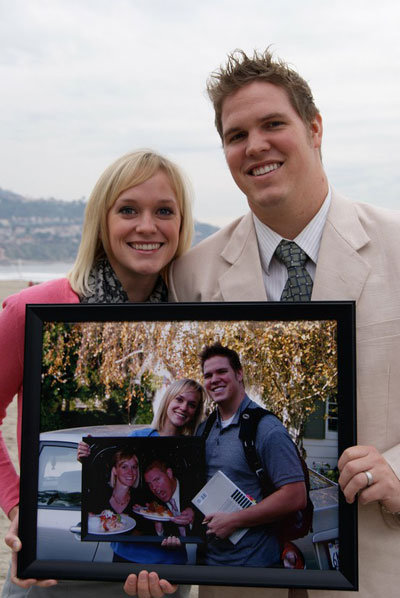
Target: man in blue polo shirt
259,547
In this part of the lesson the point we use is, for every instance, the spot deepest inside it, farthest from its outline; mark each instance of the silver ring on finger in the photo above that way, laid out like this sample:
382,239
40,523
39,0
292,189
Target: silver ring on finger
370,479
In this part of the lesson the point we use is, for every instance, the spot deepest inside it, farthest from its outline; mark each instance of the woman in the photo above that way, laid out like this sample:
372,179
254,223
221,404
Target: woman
124,478
180,412
138,218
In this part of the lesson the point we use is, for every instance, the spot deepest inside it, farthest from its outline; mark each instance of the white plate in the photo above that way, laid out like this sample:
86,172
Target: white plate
152,516
95,526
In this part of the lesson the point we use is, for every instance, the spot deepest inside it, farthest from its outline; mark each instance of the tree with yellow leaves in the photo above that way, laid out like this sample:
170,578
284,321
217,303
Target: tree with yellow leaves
289,366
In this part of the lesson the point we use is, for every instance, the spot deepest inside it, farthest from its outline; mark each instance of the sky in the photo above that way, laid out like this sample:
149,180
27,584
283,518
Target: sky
85,81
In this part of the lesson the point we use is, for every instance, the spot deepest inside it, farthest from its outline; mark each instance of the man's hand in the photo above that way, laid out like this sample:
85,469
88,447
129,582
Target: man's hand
385,486
221,525
171,542
185,518
14,543
148,585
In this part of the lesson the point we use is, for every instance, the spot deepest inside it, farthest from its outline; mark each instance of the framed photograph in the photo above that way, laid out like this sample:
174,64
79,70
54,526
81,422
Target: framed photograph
164,474
95,377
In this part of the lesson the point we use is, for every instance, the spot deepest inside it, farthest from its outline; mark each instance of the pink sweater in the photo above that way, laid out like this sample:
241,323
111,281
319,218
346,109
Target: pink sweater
12,331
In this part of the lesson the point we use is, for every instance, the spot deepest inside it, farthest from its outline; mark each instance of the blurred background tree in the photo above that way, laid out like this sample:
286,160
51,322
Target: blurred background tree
115,368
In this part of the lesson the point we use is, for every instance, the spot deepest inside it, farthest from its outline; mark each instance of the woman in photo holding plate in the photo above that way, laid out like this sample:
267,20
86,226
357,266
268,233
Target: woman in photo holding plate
137,220
123,493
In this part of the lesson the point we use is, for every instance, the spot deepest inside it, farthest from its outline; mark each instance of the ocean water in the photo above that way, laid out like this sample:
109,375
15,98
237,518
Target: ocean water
34,271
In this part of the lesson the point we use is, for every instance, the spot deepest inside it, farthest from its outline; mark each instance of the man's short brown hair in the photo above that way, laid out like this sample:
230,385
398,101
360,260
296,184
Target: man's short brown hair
241,69
218,350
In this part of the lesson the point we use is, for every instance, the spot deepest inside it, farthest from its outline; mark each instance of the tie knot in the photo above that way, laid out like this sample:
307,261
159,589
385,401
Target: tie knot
290,254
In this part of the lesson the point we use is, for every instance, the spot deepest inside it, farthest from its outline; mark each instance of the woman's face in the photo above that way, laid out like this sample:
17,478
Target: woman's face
126,471
143,230
182,408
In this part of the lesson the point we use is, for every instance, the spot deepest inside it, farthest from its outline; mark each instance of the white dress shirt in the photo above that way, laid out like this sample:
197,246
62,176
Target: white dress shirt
275,273
175,496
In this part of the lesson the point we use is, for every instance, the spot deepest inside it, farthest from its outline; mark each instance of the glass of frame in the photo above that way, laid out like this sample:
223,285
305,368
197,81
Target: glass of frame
96,372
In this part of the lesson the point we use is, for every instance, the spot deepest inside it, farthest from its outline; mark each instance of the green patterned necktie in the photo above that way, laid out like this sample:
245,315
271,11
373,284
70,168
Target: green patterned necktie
299,284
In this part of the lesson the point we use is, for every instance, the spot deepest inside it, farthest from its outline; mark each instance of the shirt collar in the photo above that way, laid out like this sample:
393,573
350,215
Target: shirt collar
240,409
309,239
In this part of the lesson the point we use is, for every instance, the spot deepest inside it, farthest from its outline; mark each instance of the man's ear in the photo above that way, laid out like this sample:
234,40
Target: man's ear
316,131
170,473
239,375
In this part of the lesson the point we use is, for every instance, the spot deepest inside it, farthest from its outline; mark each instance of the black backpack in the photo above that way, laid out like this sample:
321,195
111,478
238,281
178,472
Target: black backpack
296,524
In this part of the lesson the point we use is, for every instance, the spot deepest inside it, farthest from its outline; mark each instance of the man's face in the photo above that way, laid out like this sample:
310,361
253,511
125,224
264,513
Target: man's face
161,483
223,384
272,155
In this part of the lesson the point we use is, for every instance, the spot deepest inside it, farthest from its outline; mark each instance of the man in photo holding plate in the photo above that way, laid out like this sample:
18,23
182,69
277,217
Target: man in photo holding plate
171,495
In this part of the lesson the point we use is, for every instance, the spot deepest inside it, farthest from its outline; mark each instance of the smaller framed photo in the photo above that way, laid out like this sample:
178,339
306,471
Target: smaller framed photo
135,490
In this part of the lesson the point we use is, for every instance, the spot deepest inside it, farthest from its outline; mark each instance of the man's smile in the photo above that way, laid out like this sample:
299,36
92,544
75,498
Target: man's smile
218,388
265,169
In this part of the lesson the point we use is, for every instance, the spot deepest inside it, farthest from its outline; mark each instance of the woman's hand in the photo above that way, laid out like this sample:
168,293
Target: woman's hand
148,585
384,485
14,543
83,450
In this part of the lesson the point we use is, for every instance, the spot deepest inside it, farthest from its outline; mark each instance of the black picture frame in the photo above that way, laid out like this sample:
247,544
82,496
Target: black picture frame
31,564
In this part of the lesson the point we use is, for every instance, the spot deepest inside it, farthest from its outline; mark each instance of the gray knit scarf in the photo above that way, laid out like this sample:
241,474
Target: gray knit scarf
106,288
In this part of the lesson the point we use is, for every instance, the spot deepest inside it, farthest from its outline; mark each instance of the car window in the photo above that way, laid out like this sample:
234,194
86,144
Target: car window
59,483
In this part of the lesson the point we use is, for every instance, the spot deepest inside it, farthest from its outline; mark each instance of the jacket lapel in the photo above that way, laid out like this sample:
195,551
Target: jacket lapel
243,281
341,271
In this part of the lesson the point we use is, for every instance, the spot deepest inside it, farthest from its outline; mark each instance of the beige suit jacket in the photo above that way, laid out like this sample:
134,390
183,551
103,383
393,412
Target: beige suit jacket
359,259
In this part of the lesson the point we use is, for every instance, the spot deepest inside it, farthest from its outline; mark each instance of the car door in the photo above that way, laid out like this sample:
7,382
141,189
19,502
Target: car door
59,507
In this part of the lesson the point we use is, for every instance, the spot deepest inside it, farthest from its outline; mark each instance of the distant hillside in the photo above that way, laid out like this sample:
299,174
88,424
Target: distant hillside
48,229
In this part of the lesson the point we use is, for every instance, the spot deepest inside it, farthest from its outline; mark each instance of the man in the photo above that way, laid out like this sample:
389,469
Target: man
259,547
166,488
271,133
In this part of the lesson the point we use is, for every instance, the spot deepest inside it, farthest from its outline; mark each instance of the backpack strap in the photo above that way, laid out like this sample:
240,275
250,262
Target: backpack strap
210,421
249,420
299,523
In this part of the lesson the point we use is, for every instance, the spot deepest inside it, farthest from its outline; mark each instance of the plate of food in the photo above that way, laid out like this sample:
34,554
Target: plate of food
154,511
108,522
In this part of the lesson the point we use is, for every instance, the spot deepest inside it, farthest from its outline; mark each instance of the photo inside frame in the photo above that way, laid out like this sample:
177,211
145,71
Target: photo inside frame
103,379
134,488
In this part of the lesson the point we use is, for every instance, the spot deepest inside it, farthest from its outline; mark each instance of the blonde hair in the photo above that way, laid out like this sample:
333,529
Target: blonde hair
119,456
173,390
128,171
